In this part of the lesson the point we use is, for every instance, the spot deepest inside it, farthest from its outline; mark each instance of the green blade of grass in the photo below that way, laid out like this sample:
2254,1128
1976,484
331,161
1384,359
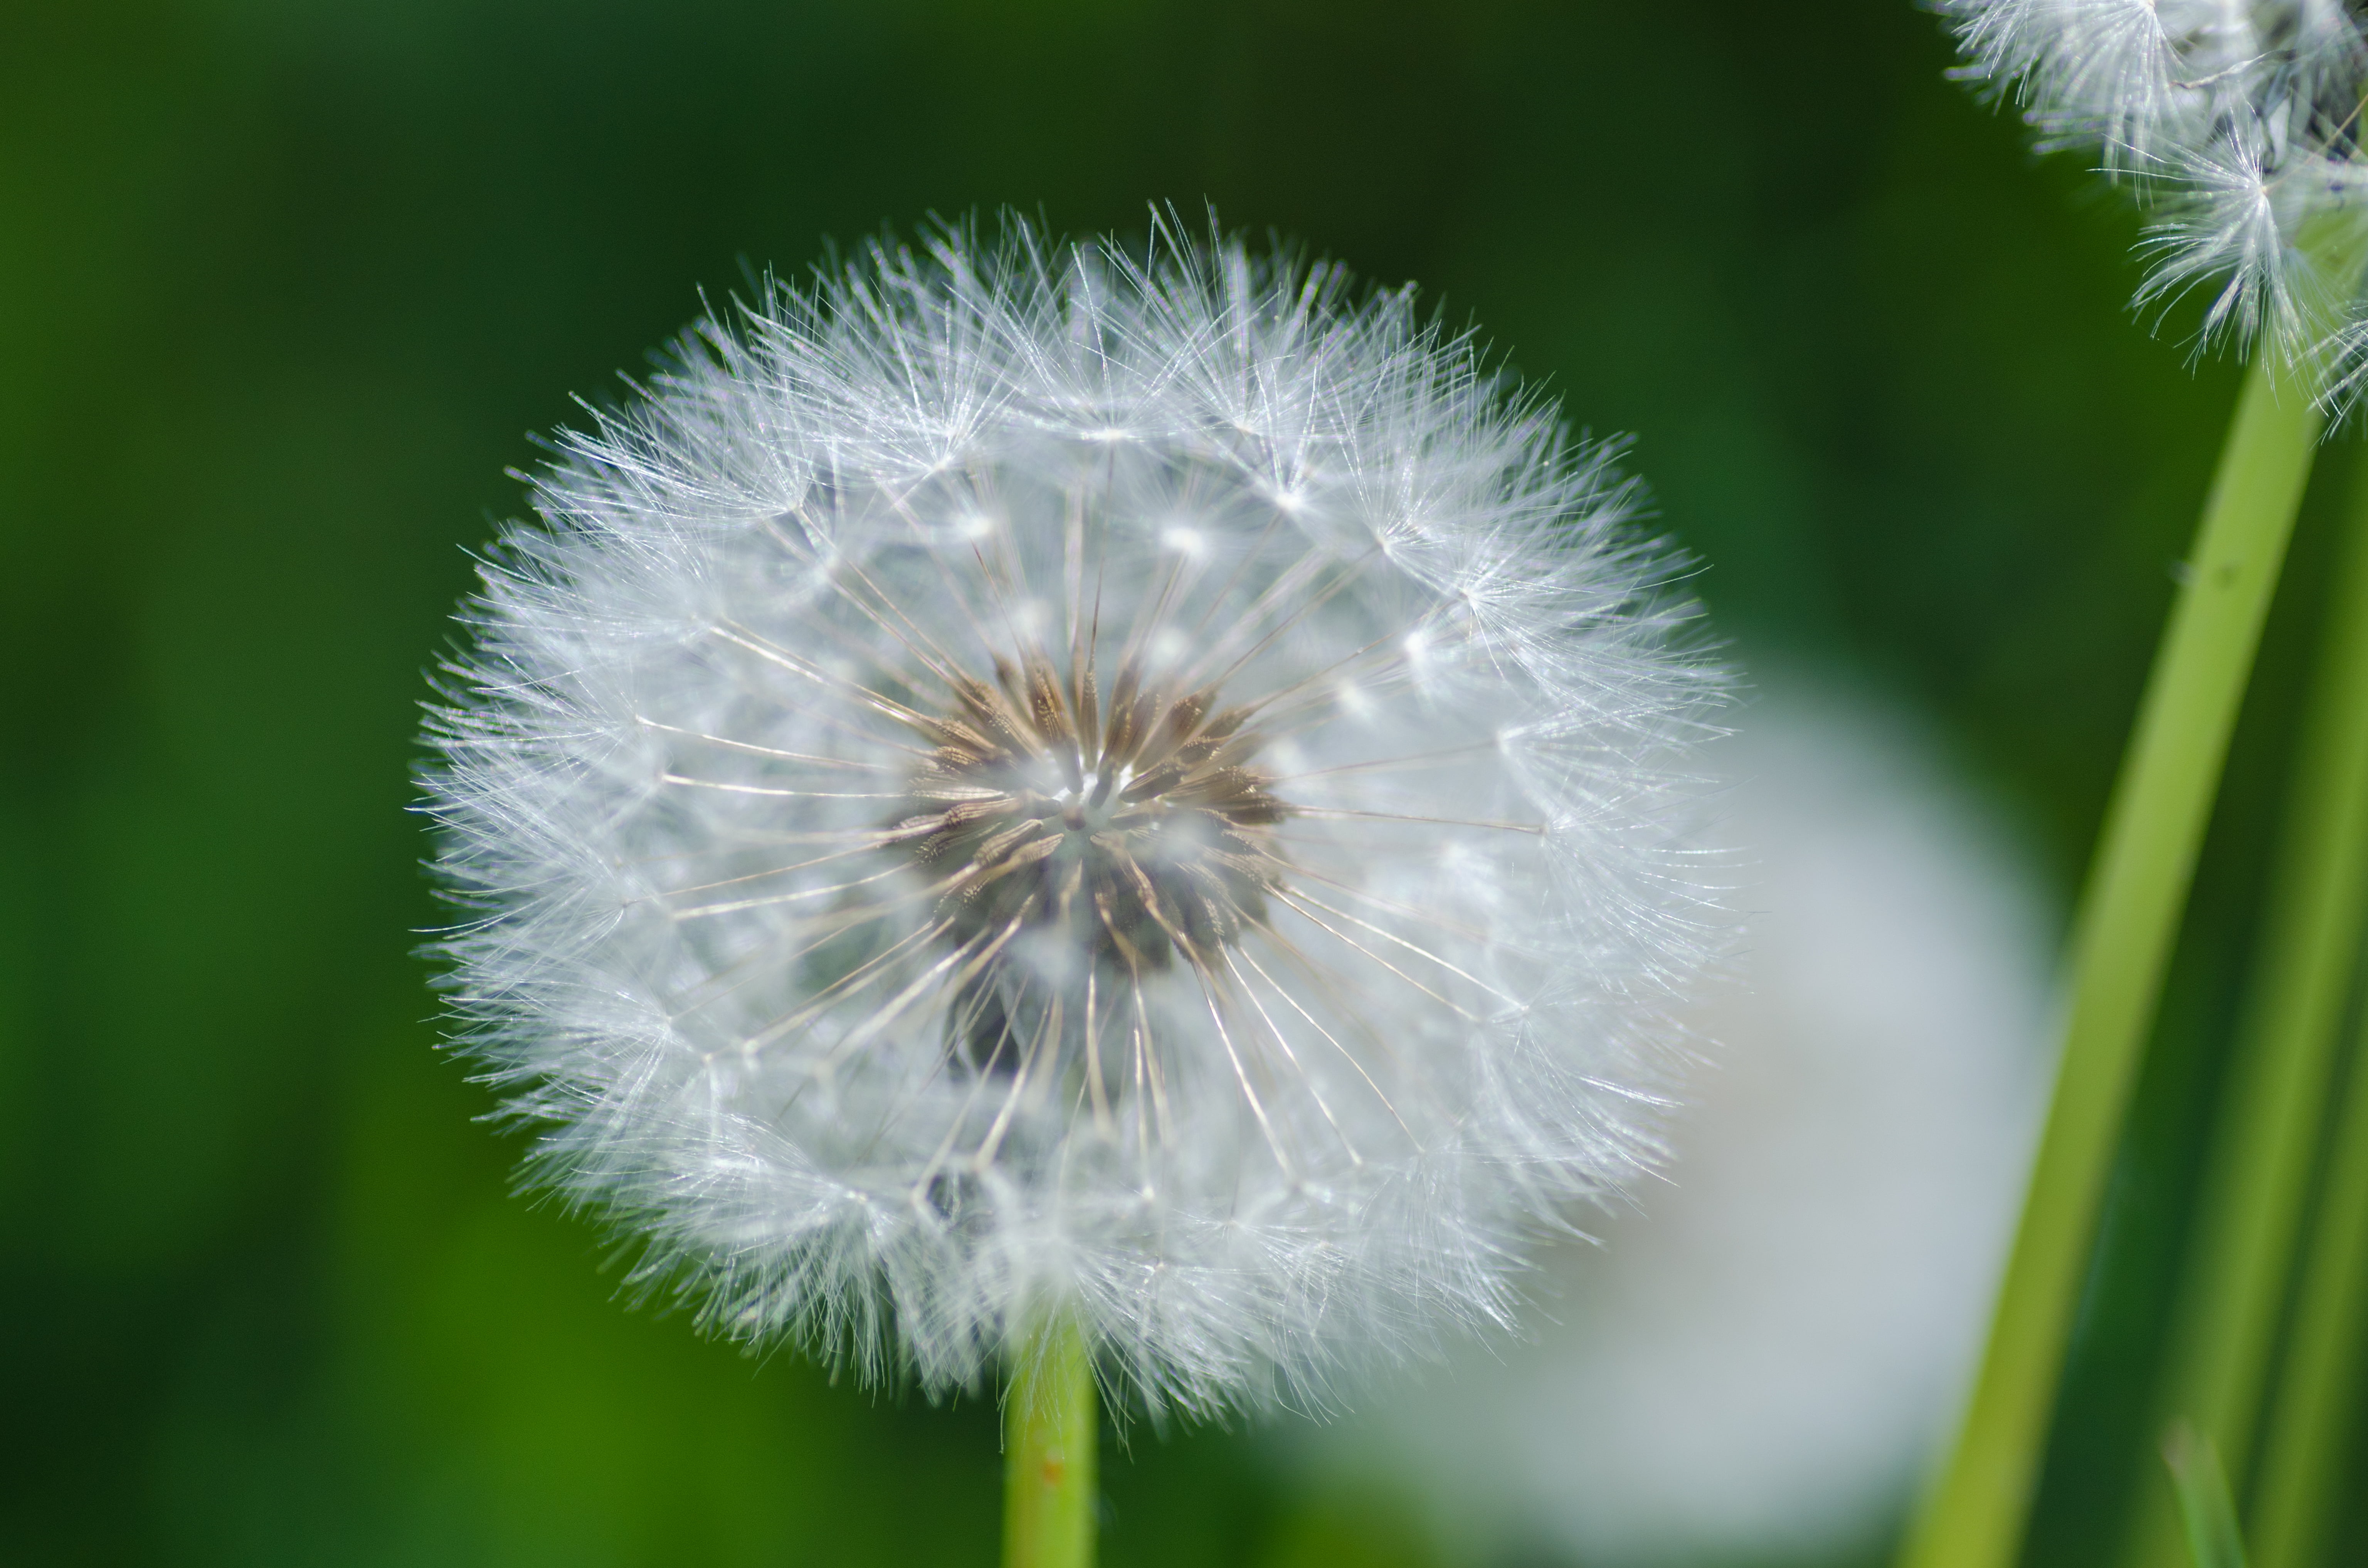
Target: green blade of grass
2301,1456
2257,1185
2205,1505
1975,1514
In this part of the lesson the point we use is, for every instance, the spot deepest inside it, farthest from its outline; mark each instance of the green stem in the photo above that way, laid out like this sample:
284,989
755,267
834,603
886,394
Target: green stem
1051,1433
2210,1512
2259,1180
2307,1422
1975,1516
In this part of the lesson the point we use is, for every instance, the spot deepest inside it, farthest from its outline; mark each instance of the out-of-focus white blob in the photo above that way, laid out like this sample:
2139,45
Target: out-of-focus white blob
1757,1362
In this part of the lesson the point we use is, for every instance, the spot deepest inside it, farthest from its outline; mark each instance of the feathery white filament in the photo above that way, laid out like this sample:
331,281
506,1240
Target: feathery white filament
1025,774
2239,120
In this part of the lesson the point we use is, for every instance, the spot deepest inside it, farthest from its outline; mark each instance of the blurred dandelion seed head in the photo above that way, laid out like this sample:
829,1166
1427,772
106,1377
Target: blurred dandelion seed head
1032,775
1756,1364
2239,123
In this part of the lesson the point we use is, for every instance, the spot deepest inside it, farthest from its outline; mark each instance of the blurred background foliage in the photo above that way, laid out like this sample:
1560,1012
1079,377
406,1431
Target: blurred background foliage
286,287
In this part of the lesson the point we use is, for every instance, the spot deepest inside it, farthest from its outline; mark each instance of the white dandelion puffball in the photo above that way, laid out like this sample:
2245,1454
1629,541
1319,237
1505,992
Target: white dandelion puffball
2239,120
1022,780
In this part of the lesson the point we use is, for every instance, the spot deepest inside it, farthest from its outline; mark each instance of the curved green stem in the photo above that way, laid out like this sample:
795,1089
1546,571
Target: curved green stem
1051,1434
2307,1434
1975,1516
2259,1181
2210,1512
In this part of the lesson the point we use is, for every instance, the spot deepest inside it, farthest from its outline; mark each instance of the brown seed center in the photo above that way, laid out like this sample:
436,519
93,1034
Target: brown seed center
1137,826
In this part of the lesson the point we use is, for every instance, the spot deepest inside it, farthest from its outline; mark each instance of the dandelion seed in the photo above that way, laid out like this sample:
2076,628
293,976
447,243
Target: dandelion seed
1027,775
2239,122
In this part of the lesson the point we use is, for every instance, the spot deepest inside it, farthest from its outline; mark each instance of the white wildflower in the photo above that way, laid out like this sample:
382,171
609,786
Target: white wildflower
2239,120
1022,778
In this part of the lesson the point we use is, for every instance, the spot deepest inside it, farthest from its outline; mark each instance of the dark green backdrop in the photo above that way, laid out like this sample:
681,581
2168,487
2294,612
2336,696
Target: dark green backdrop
286,287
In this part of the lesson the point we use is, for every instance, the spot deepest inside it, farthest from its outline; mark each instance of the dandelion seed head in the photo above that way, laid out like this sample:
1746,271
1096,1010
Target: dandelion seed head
2238,122
1028,775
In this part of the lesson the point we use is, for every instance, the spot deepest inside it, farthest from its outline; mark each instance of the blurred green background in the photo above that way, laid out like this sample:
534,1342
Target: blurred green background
286,287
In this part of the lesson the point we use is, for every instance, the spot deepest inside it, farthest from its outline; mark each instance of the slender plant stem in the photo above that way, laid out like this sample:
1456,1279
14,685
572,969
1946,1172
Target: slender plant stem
1051,1432
2257,1183
1975,1514
2210,1512
2314,1403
